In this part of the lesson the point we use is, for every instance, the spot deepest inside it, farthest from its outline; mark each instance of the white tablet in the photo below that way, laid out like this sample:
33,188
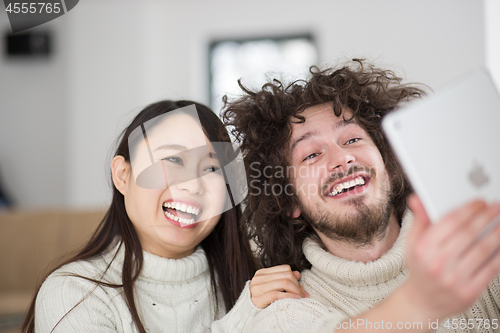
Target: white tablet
449,144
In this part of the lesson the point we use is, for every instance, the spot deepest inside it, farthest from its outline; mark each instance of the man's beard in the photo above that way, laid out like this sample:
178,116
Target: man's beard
361,227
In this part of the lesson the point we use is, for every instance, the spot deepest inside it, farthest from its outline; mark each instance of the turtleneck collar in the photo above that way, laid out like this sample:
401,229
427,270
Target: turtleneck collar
157,269
359,274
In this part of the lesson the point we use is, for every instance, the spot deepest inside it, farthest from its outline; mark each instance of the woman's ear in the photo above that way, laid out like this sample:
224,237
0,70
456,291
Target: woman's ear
120,171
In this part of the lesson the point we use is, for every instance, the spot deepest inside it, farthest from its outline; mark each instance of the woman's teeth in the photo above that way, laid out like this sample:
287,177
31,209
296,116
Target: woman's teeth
339,188
182,207
179,219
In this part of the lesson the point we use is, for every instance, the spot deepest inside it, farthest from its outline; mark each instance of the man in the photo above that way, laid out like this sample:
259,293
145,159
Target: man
328,197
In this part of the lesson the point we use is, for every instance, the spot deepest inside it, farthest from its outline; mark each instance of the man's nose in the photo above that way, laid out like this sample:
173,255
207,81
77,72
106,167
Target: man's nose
339,158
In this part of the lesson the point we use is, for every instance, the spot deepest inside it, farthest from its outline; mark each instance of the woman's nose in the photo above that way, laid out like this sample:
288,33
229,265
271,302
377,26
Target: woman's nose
193,186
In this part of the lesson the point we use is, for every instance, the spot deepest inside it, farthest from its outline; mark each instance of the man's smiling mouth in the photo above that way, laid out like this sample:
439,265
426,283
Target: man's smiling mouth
348,185
181,212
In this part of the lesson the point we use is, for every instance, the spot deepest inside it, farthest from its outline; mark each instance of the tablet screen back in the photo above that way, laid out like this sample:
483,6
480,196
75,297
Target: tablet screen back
449,144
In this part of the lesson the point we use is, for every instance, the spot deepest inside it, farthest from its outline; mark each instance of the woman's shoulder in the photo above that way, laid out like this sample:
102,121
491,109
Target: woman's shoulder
93,268
104,266
74,278
83,277
70,292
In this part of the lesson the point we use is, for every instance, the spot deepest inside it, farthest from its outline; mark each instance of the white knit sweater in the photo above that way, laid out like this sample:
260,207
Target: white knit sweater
341,289
172,295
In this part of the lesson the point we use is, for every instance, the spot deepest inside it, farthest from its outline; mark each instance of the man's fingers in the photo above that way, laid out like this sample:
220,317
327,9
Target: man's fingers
460,217
467,249
486,273
417,207
421,220
450,228
485,224
483,248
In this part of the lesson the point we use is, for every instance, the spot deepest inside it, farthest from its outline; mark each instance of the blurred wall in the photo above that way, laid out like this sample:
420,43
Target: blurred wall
59,118
492,32
33,122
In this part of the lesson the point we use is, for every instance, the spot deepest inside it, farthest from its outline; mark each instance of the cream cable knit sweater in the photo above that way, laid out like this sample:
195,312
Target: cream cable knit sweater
172,295
340,289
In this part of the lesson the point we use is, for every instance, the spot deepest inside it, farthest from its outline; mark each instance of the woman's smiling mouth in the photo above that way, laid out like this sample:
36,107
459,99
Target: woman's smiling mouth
184,214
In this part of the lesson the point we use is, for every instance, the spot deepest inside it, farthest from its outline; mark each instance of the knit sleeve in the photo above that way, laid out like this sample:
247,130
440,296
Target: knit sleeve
240,316
294,315
73,304
494,289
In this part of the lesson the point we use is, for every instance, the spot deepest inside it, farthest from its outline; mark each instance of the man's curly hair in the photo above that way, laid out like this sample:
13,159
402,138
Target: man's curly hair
261,121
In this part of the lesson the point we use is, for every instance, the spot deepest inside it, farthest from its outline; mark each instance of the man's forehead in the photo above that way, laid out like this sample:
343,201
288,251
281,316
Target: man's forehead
317,109
317,117
322,113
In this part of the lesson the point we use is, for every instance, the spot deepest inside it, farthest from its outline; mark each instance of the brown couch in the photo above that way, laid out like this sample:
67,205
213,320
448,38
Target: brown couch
30,243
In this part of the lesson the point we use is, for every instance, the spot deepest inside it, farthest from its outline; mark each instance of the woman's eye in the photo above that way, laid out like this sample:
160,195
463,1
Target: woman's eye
212,168
352,141
174,159
313,155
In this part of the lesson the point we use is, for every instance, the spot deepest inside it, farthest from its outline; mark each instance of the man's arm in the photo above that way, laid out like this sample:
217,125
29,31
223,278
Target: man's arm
451,263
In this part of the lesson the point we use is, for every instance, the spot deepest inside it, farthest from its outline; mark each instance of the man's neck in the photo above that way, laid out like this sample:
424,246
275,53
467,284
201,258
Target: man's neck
366,253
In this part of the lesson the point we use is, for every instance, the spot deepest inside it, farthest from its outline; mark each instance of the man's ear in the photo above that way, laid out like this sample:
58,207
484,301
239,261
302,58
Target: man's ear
120,170
296,212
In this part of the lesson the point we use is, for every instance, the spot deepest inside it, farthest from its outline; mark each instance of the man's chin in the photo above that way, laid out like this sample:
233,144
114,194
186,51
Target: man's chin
352,199
348,205
354,222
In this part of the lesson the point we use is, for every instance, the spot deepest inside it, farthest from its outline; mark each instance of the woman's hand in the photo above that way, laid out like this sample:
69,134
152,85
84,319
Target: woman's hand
274,283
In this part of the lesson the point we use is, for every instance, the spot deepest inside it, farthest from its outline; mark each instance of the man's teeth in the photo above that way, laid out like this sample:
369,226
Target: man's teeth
346,185
182,207
179,219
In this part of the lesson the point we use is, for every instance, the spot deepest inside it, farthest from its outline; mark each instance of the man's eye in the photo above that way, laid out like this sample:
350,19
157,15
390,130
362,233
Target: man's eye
313,155
352,141
174,159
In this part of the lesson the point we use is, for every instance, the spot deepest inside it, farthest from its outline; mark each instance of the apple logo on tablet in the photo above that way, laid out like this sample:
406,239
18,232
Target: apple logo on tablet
477,176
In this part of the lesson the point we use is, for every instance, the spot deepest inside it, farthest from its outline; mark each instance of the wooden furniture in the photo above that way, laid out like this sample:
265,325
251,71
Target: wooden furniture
30,244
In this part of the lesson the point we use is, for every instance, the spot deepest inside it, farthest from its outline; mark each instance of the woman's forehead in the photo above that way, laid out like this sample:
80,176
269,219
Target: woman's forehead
176,129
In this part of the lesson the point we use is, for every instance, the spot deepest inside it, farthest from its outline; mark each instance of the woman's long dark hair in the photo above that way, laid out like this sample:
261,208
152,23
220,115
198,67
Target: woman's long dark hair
227,247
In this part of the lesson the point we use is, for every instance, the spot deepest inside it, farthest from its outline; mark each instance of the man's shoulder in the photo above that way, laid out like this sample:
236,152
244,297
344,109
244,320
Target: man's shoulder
289,314
305,309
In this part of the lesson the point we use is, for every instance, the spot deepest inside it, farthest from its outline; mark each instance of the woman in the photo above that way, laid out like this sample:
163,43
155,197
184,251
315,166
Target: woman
169,254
